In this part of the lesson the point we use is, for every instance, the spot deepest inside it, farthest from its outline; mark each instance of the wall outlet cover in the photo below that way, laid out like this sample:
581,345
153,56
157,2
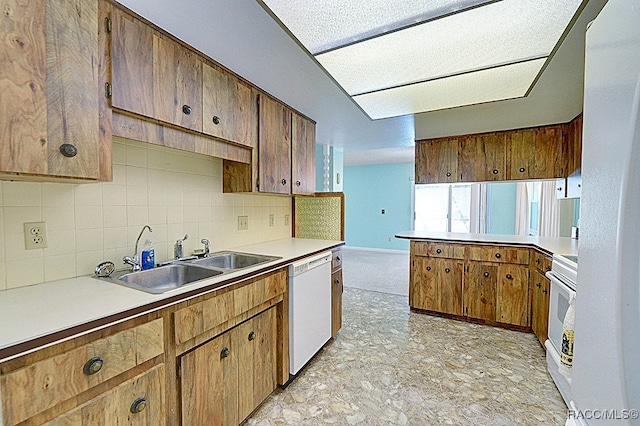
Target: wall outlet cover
243,223
35,235
272,219
286,220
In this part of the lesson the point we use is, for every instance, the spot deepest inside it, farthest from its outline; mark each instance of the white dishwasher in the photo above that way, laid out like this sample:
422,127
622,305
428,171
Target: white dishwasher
309,308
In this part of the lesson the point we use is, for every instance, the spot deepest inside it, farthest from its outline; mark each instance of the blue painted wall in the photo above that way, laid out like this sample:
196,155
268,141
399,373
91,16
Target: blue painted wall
319,168
368,190
502,208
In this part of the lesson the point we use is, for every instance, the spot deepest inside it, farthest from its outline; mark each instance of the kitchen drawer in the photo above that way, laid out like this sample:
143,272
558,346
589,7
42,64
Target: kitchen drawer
501,254
44,384
115,407
541,262
336,259
202,316
437,249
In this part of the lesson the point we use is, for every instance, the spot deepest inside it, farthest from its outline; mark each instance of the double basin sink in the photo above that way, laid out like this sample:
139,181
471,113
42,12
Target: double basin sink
179,273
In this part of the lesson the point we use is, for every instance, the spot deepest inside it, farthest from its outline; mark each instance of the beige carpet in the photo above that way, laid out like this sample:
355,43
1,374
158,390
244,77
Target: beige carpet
382,271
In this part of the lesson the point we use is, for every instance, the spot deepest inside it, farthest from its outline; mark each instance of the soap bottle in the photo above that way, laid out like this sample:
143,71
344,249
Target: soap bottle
148,255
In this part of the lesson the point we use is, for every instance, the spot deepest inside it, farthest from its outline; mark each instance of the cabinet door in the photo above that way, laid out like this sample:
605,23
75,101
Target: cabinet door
423,288
256,361
521,154
229,109
131,65
49,88
139,401
513,295
303,155
450,286
573,145
480,283
177,84
550,163
483,157
336,301
437,161
274,140
209,383
540,306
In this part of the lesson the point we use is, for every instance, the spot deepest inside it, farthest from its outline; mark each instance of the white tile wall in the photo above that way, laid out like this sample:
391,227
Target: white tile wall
174,192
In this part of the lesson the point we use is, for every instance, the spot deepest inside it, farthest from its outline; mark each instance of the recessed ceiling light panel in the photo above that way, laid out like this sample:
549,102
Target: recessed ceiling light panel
321,25
497,34
507,82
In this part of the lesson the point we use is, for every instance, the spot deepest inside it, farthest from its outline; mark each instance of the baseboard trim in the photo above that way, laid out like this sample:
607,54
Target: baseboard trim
377,249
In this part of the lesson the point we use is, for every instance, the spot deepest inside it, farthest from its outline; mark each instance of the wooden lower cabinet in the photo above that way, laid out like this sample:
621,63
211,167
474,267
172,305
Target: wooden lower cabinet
540,305
480,287
450,286
336,301
139,401
225,379
436,285
512,304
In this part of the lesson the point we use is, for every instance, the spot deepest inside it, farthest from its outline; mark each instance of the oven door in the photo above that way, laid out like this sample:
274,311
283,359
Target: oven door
561,293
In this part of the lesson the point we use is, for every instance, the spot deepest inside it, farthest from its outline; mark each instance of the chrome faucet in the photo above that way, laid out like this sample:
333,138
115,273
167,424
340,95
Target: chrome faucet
135,262
178,249
206,247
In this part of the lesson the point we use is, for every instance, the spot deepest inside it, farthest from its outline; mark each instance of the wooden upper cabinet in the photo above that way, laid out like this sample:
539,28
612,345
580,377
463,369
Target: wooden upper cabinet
573,146
49,95
482,158
274,144
303,155
437,160
229,107
549,159
153,76
521,154
131,65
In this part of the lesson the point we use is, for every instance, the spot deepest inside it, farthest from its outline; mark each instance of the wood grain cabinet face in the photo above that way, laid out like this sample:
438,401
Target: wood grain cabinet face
229,109
423,291
512,306
521,154
480,286
549,159
303,155
143,394
437,161
153,76
450,295
225,379
482,158
49,88
274,141
540,286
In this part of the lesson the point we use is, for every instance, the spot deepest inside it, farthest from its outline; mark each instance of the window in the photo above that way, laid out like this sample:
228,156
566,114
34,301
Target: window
533,191
446,208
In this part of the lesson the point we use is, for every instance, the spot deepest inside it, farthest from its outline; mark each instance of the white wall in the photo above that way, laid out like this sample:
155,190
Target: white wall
175,192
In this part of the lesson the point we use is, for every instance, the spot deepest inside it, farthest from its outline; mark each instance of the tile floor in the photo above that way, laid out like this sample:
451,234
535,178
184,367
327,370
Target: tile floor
389,366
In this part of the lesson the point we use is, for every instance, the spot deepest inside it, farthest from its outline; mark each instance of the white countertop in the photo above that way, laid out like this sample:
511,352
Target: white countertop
32,312
551,245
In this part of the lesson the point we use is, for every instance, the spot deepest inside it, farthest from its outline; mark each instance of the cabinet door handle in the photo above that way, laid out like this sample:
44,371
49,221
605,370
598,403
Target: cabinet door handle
224,353
486,275
337,282
548,268
498,255
448,174
538,261
284,181
447,270
545,291
538,285
93,366
338,258
509,277
251,336
138,405
522,169
186,109
68,150
428,268
495,171
298,183
216,120
439,251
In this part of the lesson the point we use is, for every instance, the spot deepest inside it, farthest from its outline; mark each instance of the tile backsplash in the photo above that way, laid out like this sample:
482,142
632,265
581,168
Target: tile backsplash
175,192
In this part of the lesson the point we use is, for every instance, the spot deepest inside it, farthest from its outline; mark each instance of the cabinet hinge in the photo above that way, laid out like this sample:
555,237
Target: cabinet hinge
179,372
107,25
107,90
258,184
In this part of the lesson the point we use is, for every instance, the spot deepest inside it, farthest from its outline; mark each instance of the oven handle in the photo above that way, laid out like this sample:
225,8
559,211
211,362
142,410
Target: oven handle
558,281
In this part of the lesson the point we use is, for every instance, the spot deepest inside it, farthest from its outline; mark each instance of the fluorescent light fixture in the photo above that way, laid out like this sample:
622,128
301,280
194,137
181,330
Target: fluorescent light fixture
493,84
321,25
396,57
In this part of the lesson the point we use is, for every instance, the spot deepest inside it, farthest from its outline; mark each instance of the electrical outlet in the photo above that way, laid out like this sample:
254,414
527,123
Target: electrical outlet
272,219
286,220
35,235
243,223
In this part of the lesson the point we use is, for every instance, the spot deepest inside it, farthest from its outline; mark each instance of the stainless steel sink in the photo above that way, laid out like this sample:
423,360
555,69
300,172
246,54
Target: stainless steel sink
164,278
233,260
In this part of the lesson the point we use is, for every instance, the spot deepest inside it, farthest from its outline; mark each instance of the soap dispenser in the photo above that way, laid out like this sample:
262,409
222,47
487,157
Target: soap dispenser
148,255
